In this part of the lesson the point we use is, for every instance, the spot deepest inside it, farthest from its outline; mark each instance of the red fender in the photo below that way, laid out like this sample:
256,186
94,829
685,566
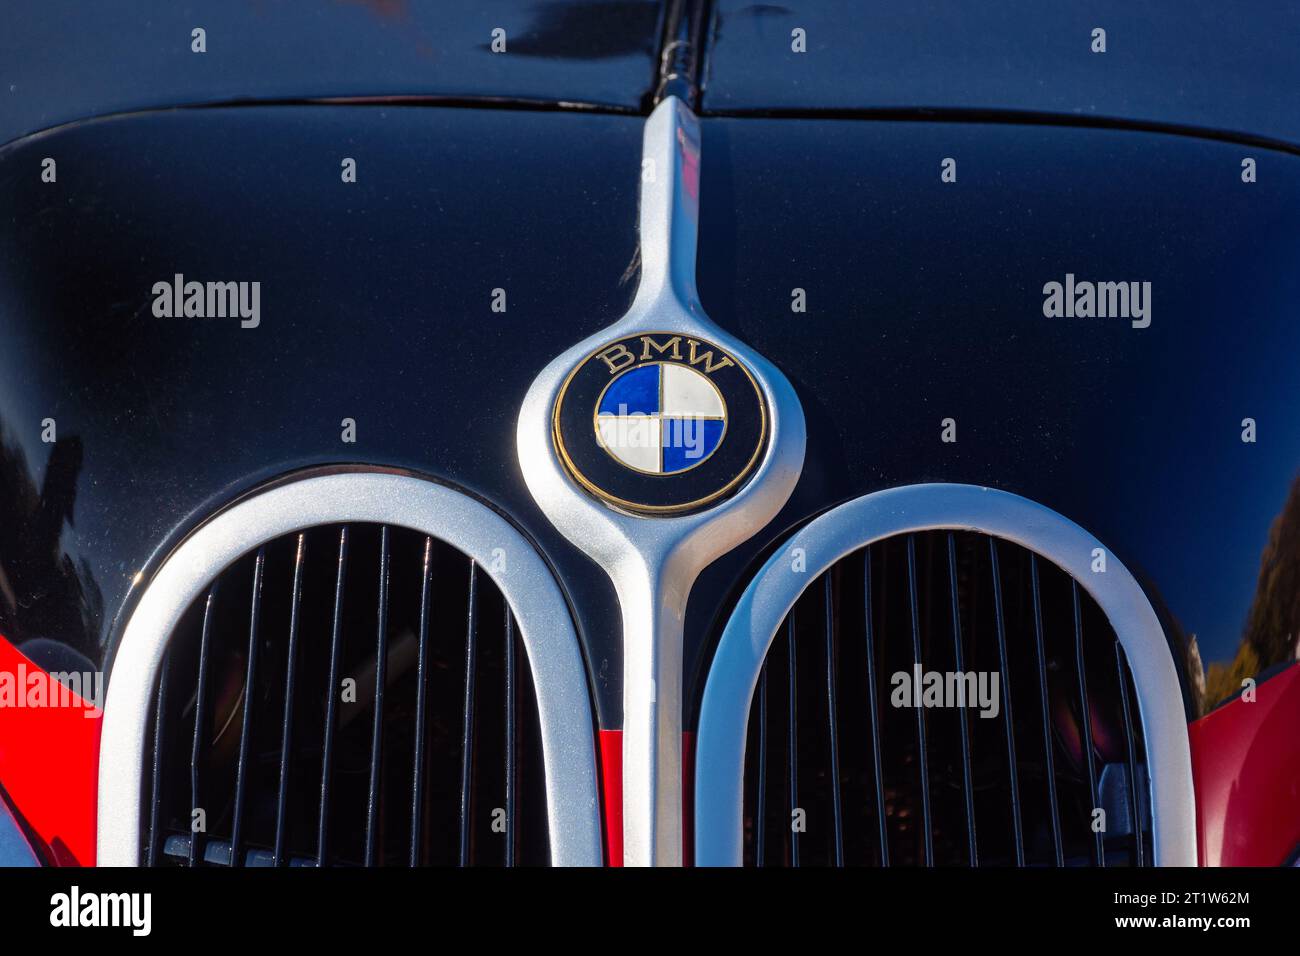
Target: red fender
1246,768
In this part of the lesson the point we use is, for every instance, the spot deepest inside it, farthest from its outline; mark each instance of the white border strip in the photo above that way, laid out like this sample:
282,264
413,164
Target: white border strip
724,714
539,607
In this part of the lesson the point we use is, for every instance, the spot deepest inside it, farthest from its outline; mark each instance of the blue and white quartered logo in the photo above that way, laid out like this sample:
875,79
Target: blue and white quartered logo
660,423
661,418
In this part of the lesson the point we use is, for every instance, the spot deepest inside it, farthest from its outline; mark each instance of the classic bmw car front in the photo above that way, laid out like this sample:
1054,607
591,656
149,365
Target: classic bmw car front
650,433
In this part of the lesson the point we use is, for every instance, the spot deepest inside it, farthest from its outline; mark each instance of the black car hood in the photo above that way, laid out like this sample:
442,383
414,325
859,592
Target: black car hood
1167,63
924,300
64,60
1212,68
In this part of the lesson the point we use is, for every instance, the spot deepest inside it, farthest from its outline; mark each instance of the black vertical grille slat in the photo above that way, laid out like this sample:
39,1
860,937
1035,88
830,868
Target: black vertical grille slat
1054,814
377,724
511,734
832,728
286,728
1085,719
877,764
332,691
197,751
922,754
1122,669
1017,820
792,735
982,773
959,659
356,706
467,718
156,781
246,724
421,703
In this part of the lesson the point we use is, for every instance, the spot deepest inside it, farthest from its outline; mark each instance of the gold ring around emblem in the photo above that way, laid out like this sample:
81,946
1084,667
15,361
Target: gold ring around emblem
558,438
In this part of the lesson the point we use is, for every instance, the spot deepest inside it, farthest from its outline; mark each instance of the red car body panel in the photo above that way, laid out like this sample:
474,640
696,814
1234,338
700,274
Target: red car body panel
1246,769
611,791
49,765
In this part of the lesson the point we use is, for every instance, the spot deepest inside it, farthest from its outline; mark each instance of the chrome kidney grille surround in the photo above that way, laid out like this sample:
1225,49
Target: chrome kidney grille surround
923,704
501,555
766,604
391,717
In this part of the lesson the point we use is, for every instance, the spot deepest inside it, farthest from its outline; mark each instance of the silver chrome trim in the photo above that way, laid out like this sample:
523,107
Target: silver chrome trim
724,714
545,627
653,561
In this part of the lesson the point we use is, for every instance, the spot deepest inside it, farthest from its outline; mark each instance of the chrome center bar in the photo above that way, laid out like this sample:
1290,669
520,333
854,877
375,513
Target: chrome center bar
654,560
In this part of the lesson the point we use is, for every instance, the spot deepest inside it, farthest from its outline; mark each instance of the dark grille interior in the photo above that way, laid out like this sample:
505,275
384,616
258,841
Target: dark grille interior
882,785
426,752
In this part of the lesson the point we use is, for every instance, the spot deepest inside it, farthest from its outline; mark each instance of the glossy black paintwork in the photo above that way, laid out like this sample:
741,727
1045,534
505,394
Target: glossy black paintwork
64,60
376,306
925,302
1217,66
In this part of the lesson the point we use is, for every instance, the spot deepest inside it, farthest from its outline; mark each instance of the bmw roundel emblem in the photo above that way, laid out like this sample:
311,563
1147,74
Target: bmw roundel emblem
660,423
